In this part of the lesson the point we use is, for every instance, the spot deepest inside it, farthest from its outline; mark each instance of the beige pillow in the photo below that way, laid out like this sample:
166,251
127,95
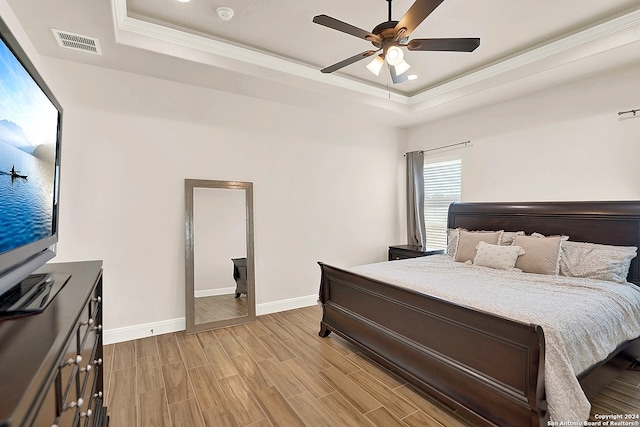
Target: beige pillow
468,240
453,233
497,256
594,261
542,254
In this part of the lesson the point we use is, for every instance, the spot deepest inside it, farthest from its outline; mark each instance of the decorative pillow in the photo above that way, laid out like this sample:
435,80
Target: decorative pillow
453,233
542,255
468,240
497,256
594,261
452,240
509,236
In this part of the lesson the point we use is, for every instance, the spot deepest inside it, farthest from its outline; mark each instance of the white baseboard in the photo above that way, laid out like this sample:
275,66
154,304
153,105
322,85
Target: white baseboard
288,304
128,333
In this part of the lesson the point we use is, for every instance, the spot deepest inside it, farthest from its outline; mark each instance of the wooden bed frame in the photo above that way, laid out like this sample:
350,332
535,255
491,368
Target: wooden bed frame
488,369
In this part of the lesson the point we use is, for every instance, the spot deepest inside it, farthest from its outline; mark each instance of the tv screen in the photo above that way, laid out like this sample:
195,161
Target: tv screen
30,119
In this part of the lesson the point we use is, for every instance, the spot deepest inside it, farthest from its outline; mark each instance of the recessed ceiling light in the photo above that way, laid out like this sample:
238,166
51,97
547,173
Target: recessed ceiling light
412,77
184,1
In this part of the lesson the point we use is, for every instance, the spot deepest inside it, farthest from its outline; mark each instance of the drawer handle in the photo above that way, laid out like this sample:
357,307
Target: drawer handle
98,395
74,360
96,362
89,322
86,414
77,403
98,328
96,299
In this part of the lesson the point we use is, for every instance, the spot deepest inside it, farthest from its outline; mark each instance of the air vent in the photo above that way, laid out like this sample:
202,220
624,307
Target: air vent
77,42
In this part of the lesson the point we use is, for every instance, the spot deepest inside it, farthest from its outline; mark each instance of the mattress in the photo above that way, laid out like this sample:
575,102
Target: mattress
583,320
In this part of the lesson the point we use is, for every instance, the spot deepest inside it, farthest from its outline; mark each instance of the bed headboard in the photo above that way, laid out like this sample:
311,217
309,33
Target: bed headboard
611,223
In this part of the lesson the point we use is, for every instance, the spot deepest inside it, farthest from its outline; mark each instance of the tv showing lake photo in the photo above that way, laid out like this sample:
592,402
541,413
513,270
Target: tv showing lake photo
28,133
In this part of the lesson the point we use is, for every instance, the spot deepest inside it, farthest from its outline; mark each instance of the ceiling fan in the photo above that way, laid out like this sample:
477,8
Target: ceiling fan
391,36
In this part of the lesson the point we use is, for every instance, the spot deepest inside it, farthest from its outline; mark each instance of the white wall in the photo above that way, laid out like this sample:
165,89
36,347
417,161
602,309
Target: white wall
567,143
325,188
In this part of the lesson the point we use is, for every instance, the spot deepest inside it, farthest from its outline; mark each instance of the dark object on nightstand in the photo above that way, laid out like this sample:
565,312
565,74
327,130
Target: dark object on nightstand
240,275
411,251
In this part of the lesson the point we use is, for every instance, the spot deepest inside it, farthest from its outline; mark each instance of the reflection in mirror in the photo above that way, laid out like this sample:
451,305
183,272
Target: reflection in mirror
219,254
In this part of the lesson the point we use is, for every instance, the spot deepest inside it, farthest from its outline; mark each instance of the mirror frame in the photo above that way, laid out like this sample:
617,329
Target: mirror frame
189,186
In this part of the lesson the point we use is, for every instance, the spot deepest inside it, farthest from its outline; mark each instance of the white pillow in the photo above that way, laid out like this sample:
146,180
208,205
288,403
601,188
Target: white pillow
593,261
497,256
452,241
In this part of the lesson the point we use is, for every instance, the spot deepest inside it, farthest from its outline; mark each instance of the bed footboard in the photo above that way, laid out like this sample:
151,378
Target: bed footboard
489,369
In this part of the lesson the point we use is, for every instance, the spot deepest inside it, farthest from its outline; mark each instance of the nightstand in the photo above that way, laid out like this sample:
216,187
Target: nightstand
411,251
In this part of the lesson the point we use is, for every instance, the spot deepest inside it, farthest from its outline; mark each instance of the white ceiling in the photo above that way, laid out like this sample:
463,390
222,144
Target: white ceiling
272,49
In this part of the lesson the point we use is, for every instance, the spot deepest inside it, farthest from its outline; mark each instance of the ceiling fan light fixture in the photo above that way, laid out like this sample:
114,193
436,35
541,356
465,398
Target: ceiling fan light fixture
394,55
402,67
376,65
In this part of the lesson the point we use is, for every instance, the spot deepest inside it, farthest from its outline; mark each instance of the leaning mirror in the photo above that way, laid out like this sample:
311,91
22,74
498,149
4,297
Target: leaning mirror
219,266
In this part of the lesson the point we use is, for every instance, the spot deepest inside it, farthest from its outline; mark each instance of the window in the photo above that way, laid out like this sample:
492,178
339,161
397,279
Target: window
442,183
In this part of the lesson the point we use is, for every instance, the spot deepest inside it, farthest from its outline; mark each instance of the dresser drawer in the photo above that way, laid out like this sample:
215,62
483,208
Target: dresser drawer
93,398
48,411
67,378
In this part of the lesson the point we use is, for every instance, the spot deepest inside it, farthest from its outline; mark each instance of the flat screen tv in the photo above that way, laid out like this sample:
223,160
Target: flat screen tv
30,129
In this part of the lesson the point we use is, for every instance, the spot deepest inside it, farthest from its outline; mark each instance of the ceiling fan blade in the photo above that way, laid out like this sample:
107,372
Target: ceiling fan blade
348,61
454,45
397,78
335,24
414,16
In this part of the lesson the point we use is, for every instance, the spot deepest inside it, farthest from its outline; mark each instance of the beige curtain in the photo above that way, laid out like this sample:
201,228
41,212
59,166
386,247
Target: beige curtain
416,231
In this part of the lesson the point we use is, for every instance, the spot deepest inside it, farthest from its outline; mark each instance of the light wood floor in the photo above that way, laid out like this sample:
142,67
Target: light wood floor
220,307
277,372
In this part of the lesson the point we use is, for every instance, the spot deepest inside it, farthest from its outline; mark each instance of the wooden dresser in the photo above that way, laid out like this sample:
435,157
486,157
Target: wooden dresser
51,362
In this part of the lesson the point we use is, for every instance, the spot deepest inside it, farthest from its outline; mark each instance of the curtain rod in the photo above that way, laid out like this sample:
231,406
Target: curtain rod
465,143
628,112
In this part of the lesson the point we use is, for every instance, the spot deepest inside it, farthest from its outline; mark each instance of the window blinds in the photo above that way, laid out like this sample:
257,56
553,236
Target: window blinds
442,184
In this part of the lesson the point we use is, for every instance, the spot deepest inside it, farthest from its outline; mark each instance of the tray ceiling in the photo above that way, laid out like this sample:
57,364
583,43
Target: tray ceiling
272,49
284,30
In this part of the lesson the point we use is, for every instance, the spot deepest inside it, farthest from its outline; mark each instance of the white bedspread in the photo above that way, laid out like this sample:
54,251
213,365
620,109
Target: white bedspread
583,320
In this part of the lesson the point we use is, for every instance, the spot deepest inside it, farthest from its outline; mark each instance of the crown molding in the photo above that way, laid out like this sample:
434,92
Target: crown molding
599,38
536,56
125,23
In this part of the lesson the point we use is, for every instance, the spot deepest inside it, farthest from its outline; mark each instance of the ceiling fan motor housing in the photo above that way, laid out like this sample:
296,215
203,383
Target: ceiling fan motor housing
387,33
